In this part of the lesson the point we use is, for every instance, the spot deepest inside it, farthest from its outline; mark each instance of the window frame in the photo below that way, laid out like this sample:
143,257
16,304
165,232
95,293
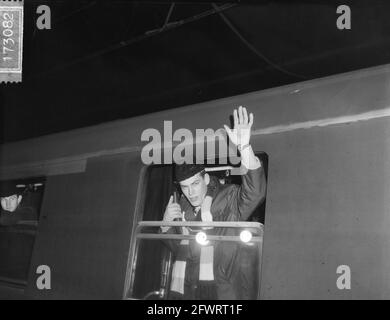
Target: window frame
139,213
30,228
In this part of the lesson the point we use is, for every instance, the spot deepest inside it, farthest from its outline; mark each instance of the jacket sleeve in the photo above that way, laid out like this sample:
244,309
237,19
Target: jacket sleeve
252,190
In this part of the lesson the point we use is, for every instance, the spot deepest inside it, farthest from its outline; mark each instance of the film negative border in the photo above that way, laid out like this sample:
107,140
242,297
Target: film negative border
11,40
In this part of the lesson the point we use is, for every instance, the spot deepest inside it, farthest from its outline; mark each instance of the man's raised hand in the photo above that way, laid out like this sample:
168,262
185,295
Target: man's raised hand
241,133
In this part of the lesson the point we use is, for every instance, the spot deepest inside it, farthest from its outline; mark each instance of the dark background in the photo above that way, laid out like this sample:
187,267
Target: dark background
100,62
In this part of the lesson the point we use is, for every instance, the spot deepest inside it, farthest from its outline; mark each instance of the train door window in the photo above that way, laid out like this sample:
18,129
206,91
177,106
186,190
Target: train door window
153,258
19,216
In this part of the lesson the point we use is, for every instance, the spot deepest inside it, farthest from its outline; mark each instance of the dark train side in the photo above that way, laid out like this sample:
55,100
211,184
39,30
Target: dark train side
327,204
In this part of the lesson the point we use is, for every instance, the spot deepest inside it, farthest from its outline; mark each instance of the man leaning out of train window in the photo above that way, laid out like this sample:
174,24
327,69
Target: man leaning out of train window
13,211
210,271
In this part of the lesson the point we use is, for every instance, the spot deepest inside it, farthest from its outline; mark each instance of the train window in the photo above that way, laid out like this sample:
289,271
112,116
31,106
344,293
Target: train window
154,257
19,216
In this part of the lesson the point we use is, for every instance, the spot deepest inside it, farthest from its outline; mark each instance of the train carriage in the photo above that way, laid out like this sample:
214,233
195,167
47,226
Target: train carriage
326,146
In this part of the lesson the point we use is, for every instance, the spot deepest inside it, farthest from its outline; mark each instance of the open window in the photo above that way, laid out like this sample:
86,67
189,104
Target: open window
151,260
19,218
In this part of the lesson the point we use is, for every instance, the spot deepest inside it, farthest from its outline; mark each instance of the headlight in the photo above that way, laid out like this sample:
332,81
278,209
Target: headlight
201,238
245,236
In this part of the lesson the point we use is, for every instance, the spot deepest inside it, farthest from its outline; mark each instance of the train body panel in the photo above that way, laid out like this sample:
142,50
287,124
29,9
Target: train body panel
328,206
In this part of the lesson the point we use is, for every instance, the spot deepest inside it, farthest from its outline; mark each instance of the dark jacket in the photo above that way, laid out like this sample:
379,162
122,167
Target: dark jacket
230,203
20,215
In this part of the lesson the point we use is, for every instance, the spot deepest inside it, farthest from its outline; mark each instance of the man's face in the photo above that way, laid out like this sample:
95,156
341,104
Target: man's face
10,203
195,188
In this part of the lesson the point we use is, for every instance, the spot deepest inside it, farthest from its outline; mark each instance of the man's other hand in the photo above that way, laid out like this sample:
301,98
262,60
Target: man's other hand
172,211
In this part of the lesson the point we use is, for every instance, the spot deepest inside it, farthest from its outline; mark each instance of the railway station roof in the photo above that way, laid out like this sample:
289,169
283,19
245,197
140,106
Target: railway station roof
109,60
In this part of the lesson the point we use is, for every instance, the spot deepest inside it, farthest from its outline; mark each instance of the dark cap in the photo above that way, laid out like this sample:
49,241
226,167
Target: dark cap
8,189
185,171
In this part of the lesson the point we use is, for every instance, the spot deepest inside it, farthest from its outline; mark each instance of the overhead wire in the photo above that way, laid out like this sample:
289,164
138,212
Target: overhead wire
254,50
169,14
147,34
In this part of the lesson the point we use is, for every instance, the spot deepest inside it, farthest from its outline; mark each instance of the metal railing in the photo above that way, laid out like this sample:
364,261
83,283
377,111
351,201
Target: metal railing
256,229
